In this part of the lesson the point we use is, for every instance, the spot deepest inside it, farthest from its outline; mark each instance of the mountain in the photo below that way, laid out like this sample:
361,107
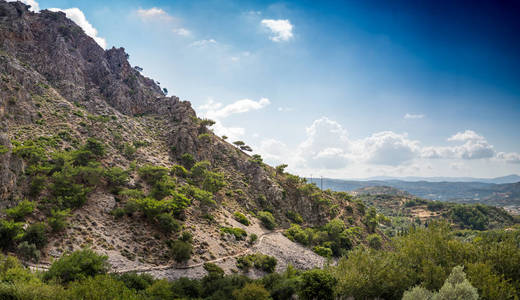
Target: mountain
93,154
504,195
513,178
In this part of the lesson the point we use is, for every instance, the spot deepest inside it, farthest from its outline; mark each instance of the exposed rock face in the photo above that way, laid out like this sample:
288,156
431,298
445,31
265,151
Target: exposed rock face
75,64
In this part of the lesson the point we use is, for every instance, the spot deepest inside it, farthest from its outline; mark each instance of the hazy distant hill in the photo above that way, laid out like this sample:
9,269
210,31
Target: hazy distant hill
513,178
505,195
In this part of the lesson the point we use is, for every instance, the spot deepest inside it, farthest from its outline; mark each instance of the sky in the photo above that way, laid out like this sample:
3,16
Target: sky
341,89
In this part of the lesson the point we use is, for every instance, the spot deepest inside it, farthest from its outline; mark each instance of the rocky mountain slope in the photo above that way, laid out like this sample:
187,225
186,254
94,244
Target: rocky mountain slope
93,154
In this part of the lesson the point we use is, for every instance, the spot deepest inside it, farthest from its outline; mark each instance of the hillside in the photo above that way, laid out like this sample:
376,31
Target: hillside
93,154
404,209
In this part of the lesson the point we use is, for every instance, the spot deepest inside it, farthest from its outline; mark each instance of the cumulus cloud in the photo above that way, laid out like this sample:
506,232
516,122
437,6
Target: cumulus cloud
387,148
35,7
281,29
512,157
154,14
76,15
474,146
217,111
413,116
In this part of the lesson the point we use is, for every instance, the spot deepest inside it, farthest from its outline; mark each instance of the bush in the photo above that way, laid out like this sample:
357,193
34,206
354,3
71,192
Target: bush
181,251
213,182
36,234
137,282
259,261
77,265
186,236
317,284
239,233
322,251
96,147
116,178
267,219
151,174
252,238
187,160
180,171
213,270
167,223
118,212
252,291
58,219
374,241
9,230
241,218
22,209
162,188
29,251
294,216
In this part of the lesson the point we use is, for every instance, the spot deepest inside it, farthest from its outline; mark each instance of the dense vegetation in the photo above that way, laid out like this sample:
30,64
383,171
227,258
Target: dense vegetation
426,263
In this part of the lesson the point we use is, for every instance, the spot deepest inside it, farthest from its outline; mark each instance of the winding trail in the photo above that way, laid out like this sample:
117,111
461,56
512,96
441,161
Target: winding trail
45,267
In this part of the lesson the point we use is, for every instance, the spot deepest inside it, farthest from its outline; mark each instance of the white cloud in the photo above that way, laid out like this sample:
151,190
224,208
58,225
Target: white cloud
216,111
203,43
182,31
512,157
35,7
281,29
387,148
154,14
474,146
76,15
285,109
413,116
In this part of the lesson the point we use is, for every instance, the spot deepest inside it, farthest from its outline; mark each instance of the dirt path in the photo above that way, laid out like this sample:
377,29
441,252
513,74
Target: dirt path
45,267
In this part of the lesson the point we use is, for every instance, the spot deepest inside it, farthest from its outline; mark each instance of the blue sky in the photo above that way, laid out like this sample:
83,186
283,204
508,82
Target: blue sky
344,89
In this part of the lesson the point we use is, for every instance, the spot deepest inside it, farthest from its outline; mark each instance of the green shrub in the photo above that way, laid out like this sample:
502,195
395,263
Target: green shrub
116,178
374,241
205,137
322,251
180,171
241,218
252,291
77,265
317,284
259,261
134,281
205,198
267,219
3,149
239,233
252,238
129,151
213,270
22,209
99,287
118,212
131,206
187,160
29,251
213,182
162,188
294,216
37,185
36,234
181,251
167,223
58,219
9,231
96,147
186,236
151,174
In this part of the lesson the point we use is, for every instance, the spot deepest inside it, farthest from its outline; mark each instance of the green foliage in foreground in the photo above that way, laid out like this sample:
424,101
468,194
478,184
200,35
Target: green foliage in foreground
427,263
260,261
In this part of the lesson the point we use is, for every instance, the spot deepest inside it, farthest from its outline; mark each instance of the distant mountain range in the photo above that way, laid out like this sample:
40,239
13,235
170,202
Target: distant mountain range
506,195
513,178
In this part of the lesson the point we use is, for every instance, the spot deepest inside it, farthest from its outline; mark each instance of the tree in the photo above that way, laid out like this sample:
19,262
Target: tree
267,219
77,265
181,251
138,69
246,148
165,91
251,291
317,284
281,168
239,143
